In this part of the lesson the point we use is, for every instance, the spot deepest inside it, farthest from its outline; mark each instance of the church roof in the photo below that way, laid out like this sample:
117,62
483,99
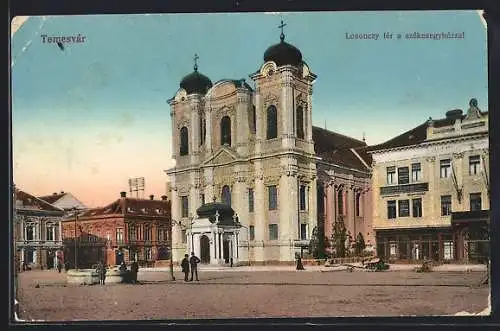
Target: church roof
283,53
209,210
239,83
196,82
335,148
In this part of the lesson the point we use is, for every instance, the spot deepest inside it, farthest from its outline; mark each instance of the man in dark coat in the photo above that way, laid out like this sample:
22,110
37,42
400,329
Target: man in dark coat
134,270
101,271
185,267
193,261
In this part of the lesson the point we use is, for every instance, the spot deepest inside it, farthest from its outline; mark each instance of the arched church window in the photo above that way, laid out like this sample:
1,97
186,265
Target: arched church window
340,202
300,122
184,146
272,122
254,120
226,195
202,130
225,131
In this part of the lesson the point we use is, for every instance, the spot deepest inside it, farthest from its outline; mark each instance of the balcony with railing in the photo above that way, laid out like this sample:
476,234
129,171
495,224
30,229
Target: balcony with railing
404,188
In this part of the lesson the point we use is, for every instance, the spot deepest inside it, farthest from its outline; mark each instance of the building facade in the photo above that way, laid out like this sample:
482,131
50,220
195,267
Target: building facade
127,229
38,232
252,149
431,189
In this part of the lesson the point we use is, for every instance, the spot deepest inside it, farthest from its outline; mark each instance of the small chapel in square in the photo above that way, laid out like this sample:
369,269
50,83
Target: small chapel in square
253,178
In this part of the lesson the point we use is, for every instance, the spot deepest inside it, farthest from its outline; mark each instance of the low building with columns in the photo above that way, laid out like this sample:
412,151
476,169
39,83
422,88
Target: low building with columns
431,189
253,149
38,232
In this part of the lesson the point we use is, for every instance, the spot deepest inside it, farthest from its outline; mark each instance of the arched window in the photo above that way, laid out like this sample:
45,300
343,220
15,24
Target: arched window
202,130
340,202
254,120
226,195
184,146
225,131
300,122
272,122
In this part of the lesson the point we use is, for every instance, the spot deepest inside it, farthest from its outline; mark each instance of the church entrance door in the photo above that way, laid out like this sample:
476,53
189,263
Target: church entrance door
225,251
204,249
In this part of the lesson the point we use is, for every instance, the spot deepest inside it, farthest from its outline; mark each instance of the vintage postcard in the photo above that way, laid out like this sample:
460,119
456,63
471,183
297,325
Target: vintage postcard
250,165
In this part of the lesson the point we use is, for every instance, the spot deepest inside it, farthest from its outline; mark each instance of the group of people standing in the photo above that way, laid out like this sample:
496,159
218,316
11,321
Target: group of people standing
190,263
101,270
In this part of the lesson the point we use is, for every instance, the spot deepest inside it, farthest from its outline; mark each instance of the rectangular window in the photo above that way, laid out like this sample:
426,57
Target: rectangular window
403,175
474,163
250,200
148,254
404,208
148,233
391,209
358,197
417,207
416,172
391,175
302,197
273,231
29,232
448,250
273,197
251,229
303,232
132,233
445,168
445,205
119,235
160,232
49,232
183,236
185,206
475,201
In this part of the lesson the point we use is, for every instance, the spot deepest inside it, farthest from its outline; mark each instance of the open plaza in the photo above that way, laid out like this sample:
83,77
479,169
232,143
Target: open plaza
257,292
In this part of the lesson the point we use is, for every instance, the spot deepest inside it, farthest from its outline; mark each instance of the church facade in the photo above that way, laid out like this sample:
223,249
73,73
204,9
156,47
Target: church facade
252,149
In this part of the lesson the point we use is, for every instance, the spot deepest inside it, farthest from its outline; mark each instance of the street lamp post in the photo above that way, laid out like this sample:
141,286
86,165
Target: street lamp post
75,248
238,224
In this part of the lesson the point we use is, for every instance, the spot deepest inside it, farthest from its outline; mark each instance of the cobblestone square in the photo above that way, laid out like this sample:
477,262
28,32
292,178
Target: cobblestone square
44,295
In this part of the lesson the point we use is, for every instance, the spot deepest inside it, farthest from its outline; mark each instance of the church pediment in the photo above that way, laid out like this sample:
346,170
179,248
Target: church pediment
222,156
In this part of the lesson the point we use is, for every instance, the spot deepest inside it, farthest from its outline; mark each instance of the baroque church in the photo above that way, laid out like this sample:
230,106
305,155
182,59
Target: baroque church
253,178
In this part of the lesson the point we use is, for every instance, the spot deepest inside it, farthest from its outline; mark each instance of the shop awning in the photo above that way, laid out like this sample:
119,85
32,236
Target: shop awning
466,217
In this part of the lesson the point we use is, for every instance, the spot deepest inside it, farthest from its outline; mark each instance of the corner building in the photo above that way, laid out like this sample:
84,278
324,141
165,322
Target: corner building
252,149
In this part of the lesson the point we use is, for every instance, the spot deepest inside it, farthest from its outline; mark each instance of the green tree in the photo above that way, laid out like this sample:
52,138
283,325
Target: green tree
339,237
360,244
318,243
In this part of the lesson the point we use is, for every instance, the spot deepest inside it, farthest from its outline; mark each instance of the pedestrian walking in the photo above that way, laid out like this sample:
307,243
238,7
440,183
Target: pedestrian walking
134,269
193,261
59,266
185,267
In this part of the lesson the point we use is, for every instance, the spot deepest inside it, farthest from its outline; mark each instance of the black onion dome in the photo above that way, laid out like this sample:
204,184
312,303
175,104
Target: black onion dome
196,82
208,210
283,53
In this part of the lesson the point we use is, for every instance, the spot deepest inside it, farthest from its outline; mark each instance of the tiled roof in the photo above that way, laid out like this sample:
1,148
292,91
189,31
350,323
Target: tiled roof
335,148
31,202
131,206
52,198
414,136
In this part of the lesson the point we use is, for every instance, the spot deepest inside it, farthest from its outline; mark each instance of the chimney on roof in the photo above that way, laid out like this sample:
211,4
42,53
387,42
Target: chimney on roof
151,197
123,194
55,193
164,197
62,192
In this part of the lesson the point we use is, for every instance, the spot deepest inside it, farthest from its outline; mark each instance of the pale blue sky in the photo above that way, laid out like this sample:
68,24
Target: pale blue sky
98,110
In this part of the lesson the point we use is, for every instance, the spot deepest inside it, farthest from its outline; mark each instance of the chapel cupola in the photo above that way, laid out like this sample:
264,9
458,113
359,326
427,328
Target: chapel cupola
283,53
196,82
